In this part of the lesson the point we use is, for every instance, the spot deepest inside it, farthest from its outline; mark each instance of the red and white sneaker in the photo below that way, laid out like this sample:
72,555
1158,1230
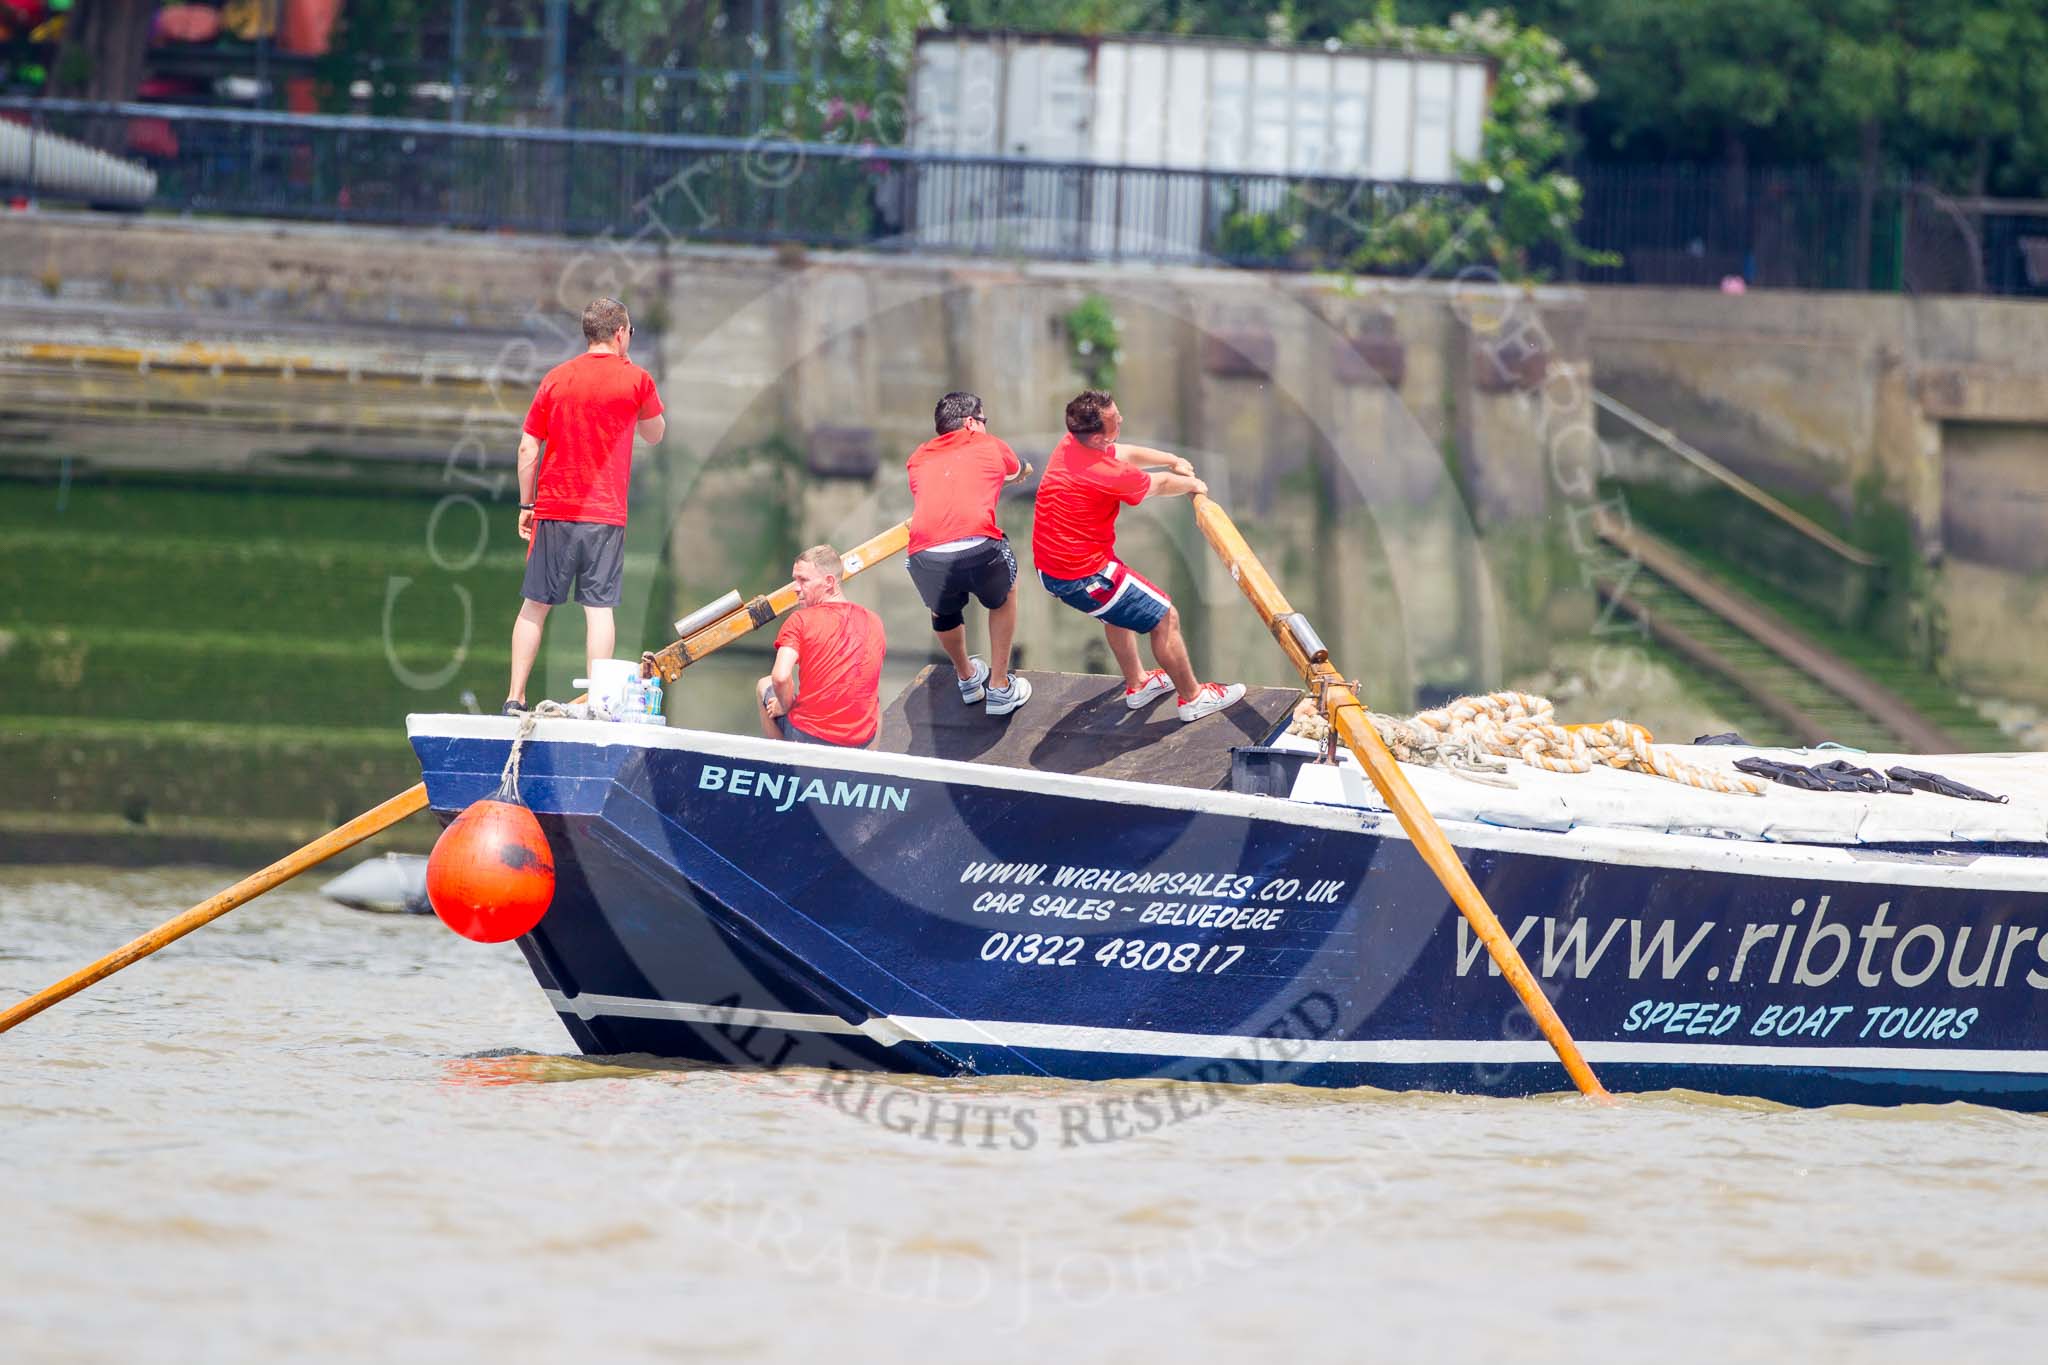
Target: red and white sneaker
1155,686
1212,697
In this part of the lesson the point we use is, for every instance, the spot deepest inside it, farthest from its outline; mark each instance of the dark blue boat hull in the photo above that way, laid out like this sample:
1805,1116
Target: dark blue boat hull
743,903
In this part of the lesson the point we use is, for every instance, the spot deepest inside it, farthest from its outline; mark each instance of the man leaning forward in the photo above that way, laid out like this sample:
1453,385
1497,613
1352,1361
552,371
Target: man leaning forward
957,551
1088,481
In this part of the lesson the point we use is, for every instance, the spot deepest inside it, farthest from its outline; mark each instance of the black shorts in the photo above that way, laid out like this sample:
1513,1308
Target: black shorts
946,578
588,555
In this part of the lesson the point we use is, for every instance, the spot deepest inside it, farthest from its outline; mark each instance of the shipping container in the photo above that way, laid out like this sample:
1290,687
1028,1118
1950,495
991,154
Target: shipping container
1213,110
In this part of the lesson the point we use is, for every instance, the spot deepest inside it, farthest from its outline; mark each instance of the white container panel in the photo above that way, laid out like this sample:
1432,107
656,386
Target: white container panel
977,85
1350,115
1272,112
935,97
1229,112
1188,103
1393,102
1470,107
1145,108
1309,149
1106,124
1045,99
1433,84
1016,92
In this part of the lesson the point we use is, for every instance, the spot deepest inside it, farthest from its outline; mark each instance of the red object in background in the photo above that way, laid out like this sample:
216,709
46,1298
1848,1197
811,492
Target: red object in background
307,26
152,137
18,17
491,875
186,24
301,96
167,88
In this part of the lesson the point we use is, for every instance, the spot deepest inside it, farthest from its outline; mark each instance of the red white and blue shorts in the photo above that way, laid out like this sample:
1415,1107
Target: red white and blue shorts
1115,594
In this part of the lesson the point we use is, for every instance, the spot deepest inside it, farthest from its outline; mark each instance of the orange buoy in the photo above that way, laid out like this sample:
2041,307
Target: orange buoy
492,875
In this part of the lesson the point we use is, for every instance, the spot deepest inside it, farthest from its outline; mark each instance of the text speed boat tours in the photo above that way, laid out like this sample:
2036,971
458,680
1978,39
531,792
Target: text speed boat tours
1080,893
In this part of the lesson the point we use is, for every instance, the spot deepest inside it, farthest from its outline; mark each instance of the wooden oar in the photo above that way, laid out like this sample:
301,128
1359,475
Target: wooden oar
1347,714
370,822
670,662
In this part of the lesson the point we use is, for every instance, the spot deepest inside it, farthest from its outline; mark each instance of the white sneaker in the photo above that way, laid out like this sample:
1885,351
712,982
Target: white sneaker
1155,686
1212,697
1003,700
974,689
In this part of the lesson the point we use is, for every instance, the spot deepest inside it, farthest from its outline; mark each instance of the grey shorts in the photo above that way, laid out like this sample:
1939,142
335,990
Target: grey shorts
790,732
589,556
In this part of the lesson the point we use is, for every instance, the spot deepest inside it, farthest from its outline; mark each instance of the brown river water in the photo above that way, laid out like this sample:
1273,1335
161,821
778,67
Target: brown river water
307,1132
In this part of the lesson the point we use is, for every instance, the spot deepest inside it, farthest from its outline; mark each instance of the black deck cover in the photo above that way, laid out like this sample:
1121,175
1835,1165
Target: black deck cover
1077,723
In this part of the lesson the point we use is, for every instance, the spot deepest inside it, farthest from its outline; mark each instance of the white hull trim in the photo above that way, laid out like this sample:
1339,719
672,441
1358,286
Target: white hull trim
892,1029
1614,845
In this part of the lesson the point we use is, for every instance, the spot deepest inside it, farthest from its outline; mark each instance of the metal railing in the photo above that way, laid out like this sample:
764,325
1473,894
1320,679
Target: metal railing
1799,228
1699,225
579,182
1778,543
1706,464
1669,225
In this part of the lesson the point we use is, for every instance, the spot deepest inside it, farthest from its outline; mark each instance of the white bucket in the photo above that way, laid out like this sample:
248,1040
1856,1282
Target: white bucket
612,677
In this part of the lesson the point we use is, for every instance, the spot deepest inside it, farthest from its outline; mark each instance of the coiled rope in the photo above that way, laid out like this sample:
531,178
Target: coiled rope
1460,737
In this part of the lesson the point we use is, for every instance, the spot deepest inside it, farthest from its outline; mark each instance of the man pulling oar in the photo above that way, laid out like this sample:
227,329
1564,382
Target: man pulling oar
669,662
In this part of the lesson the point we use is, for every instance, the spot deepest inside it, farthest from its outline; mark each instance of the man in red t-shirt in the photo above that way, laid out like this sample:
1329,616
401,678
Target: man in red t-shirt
572,502
1089,479
838,646
958,551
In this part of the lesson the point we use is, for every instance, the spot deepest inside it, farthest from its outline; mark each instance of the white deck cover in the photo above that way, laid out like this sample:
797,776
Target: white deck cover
1613,799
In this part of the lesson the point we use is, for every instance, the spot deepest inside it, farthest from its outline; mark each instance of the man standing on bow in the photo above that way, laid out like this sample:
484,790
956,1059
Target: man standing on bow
1089,479
957,551
572,499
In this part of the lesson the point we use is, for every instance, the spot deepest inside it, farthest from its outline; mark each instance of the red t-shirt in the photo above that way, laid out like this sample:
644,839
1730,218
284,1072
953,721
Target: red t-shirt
585,410
1079,497
839,648
955,481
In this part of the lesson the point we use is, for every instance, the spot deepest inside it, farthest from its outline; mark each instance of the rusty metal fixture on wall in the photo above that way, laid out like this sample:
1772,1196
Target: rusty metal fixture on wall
1239,352
1374,349
842,453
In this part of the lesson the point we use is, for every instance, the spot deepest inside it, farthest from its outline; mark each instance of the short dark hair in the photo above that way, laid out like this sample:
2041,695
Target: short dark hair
602,319
954,410
1084,412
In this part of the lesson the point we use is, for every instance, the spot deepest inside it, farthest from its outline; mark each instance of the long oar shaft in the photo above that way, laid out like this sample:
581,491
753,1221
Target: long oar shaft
1348,715
670,662
372,821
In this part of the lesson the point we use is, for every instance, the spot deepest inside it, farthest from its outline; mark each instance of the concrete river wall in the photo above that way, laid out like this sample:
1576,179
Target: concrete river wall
285,452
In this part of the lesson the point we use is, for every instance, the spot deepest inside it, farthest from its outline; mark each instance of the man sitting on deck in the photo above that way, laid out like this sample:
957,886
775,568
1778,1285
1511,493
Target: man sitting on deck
839,647
958,551
1089,479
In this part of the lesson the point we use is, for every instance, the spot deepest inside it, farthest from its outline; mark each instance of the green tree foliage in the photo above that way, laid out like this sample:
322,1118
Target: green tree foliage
375,41
1976,92
1956,91
1531,202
